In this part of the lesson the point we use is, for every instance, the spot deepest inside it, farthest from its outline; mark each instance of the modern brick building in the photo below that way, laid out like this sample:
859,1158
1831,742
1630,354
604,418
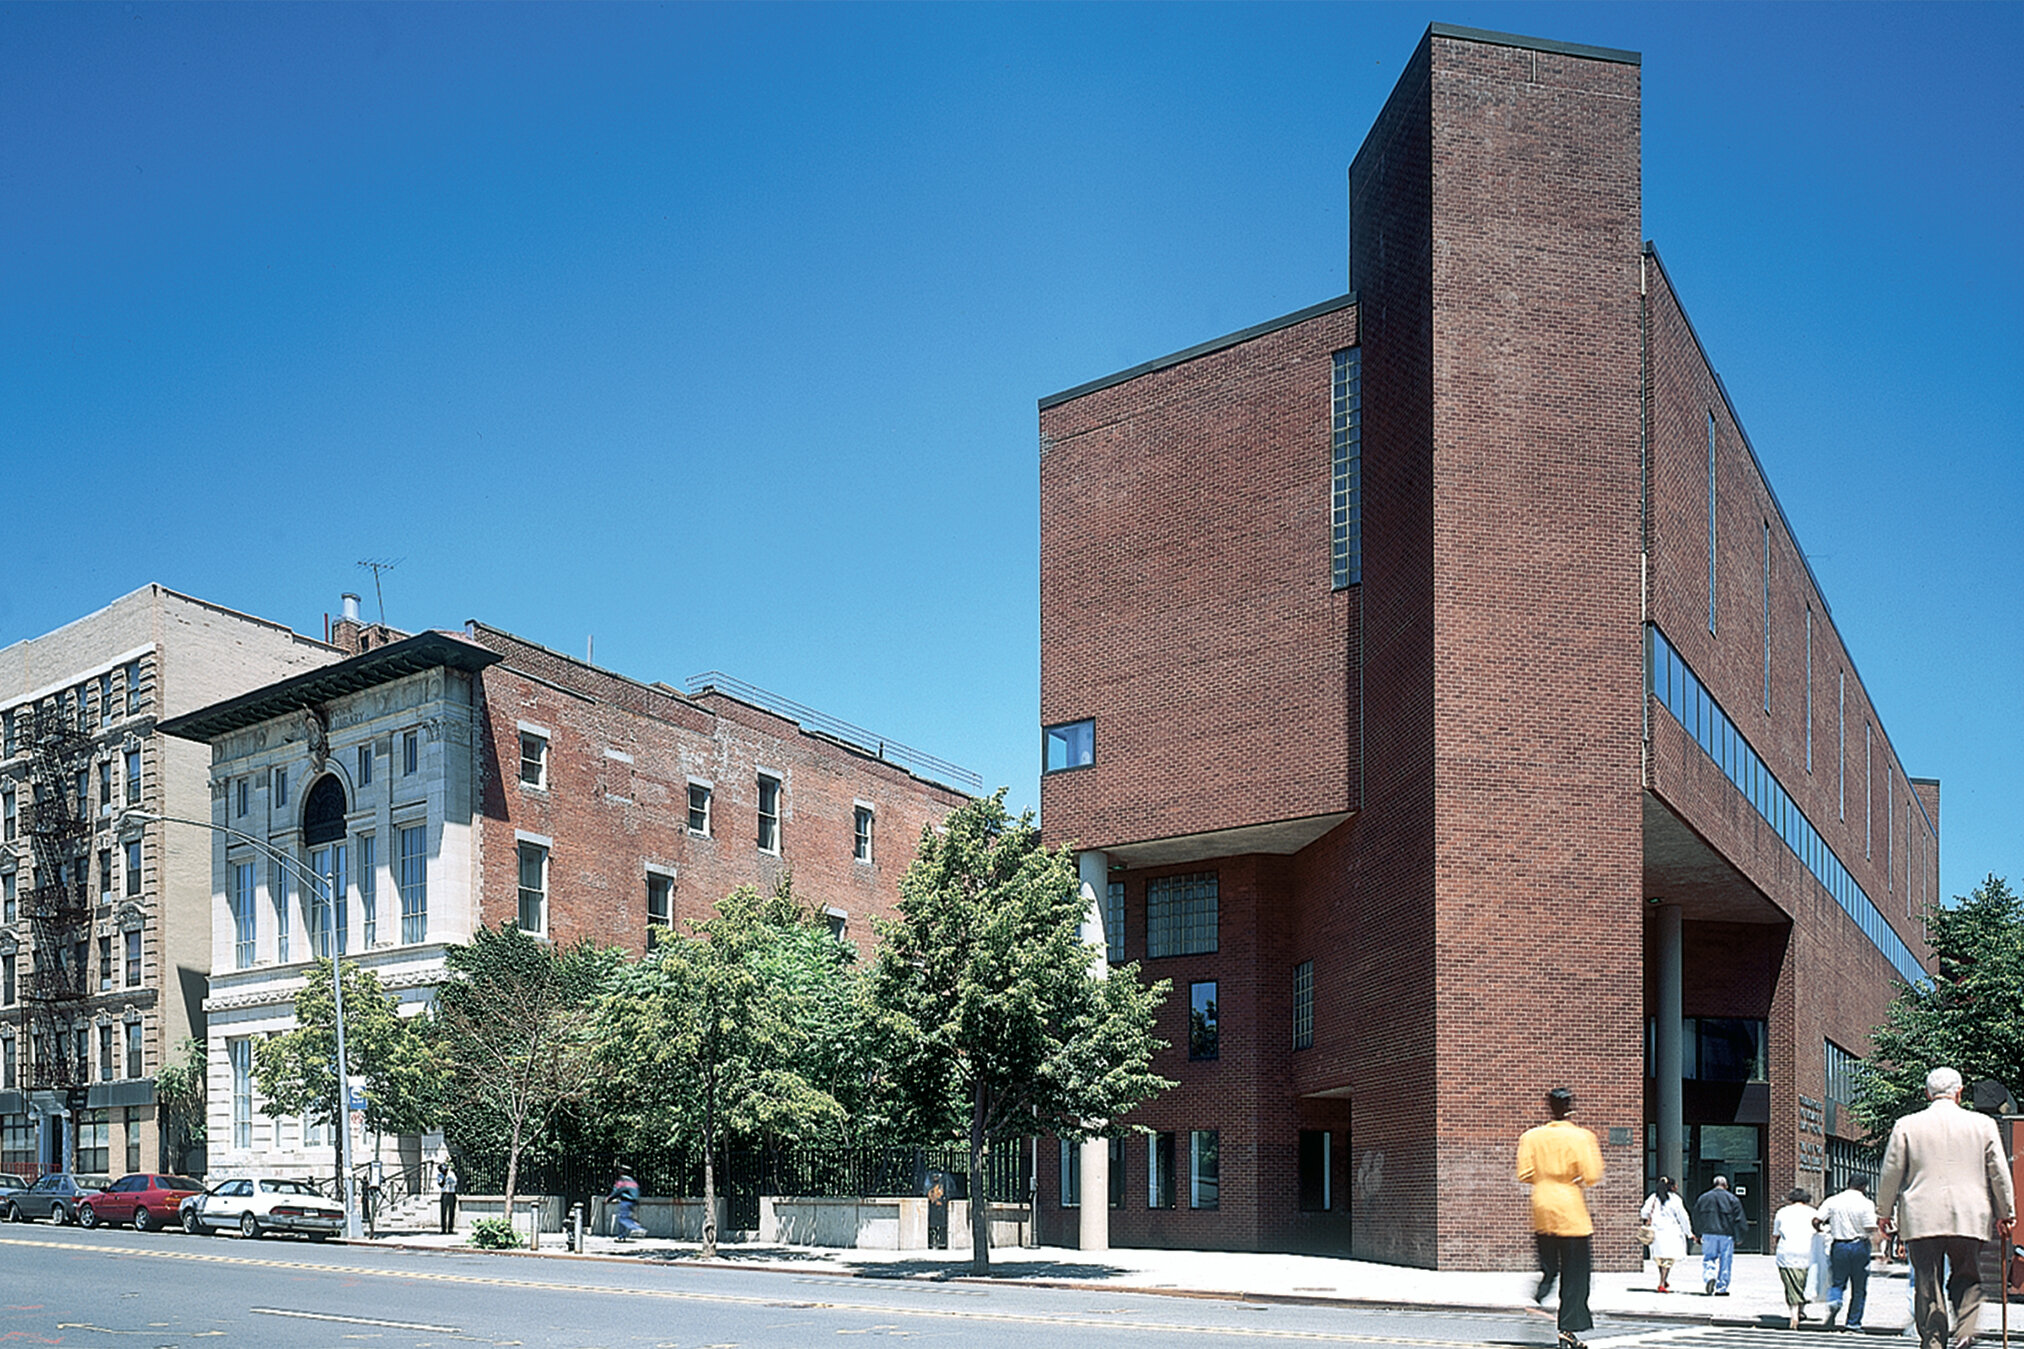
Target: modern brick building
105,924
1443,702
446,781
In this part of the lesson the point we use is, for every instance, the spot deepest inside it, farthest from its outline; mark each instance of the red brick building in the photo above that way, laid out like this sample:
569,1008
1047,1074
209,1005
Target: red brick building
1444,704
441,782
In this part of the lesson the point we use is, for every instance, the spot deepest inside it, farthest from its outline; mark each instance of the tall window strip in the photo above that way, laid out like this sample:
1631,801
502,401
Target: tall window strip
1767,615
243,930
1711,522
1868,794
1113,922
1841,744
240,1051
368,887
277,889
1181,914
413,881
1346,512
1809,688
1303,1005
1890,831
1676,688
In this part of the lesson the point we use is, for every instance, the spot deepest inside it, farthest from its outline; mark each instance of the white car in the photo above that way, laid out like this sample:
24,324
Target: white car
260,1204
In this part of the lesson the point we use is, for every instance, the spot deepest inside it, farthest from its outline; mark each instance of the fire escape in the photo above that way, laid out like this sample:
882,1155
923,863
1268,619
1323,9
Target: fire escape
58,909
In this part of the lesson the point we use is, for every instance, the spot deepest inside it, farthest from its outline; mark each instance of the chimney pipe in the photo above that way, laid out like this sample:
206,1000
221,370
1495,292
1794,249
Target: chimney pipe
350,607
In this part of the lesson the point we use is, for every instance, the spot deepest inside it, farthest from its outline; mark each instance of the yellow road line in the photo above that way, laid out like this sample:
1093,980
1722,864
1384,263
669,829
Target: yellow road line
740,1299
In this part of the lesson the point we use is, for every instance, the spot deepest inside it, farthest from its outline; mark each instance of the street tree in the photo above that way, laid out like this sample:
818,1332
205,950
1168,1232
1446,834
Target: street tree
180,1090
708,1039
1965,1017
296,1072
991,1023
513,1029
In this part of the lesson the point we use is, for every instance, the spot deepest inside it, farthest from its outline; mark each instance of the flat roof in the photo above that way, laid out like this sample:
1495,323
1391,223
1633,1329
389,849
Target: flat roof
1537,44
382,665
1214,344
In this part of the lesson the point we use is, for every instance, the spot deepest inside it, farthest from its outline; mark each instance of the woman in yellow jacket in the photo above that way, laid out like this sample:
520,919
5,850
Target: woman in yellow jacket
1559,1160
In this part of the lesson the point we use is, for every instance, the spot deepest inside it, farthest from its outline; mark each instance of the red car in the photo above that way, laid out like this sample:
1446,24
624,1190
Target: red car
146,1200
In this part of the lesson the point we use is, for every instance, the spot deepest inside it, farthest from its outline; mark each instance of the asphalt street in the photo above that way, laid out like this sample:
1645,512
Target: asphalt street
62,1286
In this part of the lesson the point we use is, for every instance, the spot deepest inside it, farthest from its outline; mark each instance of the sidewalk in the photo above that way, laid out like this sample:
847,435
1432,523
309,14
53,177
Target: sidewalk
1755,1296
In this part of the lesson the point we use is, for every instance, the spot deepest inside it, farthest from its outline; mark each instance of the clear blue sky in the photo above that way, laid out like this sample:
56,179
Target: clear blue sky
717,332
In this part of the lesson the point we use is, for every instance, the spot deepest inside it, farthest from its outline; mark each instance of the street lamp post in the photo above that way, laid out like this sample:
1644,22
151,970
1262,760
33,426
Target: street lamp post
327,892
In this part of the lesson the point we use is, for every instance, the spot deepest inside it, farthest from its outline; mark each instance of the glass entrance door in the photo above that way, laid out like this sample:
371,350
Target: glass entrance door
1735,1151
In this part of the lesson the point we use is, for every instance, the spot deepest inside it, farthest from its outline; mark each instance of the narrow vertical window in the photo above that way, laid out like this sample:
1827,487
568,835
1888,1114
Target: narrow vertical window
1113,922
411,753
106,1069
533,888
277,890
240,1051
133,958
133,686
1346,509
1767,615
1711,522
368,888
1303,1005
1809,688
699,809
413,882
533,760
241,796
365,764
7,984
133,777
244,929
1204,1037
1868,794
1071,1174
134,1066
660,907
861,822
769,814
1890,830
280,788
105,786
1159,1170
133,867
1205,1169
1841,744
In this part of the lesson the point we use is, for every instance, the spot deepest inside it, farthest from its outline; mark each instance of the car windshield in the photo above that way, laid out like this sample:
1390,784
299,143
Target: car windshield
285,1187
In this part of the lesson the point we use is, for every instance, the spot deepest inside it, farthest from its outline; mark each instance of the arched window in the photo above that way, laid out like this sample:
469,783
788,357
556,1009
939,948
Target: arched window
323,812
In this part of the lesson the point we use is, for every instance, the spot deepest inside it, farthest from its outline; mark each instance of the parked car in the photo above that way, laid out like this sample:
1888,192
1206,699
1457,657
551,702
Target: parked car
55,1196
10,1182
146,1199
260,1204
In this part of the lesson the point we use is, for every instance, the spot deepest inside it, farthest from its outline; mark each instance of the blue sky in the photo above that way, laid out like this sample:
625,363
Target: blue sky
716,333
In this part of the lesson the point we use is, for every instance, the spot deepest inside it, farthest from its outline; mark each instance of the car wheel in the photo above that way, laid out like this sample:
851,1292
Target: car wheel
59,1215
15,1215
249,1226
87,1216
192,1224
144,1221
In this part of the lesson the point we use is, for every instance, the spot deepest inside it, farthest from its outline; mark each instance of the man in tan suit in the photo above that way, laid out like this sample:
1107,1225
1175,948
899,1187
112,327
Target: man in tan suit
1945,1174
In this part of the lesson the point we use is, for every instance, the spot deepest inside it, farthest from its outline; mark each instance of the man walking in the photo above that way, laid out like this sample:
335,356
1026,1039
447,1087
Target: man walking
446,1195
1558,1160
1850,1220
1718,1217
1945,1175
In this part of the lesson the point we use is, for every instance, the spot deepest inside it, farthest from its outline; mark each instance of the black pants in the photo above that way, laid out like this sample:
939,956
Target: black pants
1567,1260
449,1205
1945,1270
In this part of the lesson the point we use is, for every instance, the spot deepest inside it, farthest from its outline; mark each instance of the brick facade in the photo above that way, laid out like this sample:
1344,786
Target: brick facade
1445,785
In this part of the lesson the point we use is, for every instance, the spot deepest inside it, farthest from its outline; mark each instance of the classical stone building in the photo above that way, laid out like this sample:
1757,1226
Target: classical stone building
1444,703
105,931
448,780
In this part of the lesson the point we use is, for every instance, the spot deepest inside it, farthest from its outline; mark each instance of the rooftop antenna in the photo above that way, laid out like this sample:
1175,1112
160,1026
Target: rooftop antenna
376,565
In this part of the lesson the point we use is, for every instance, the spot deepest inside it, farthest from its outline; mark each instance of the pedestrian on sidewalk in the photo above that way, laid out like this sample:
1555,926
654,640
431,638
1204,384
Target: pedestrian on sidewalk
625,1194
1850,1219
1719,1218
1793,1231
1665,1213
446,1195
1559,1160
1945,1175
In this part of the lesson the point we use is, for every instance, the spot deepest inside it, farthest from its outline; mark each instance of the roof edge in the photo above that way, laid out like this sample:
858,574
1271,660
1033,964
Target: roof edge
1536,44
1210,347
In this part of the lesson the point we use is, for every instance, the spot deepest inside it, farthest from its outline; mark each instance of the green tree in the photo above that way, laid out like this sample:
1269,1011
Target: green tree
991,1021
513,1029
180,1091
1965,1018
710,1038
296,1072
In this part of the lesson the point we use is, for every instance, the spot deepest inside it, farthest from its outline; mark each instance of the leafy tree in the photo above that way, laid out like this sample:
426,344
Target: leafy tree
1965,1018
513,1029
296,1072
710,1036
990,1019
180,1090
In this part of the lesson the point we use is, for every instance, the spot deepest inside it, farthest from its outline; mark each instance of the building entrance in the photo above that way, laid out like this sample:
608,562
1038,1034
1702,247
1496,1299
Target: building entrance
1735,1151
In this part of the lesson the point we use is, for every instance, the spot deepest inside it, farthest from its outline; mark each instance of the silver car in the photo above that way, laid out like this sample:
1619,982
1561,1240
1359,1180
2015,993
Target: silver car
257,1205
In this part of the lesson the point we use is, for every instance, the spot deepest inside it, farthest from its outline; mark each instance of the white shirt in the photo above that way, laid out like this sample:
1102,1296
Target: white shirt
1794,1233
1849,1215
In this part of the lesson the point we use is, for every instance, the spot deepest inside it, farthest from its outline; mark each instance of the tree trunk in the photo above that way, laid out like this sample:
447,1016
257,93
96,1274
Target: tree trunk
709,1173
980,1196
512,1167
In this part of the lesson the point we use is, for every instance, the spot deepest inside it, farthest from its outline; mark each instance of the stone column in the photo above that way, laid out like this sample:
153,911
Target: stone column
1668,1024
